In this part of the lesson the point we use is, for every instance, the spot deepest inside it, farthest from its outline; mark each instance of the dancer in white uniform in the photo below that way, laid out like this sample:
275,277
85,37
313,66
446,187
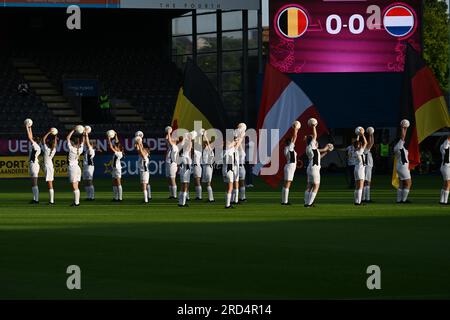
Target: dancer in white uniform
404,175
445,170
171,163
230,170
75,150
197,166
185,149
360,165
116,173
289,167
49,170
315,156
368,169
35,151
208,166
89,167
242,173
144,170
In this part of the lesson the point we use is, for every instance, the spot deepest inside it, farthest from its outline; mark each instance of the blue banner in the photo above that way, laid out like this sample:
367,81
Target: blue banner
129,166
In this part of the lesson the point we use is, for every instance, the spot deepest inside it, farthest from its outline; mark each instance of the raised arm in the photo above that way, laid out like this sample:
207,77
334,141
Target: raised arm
44,139
314,132
110,145
364,146
295,135
86,140
371,141
30,134
69,136
404,131
169,138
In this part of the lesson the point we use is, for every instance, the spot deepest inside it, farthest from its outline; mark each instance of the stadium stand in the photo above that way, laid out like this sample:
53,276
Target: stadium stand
15,107
142,87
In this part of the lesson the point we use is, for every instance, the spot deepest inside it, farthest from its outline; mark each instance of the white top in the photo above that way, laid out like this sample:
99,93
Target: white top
74,154
35,151
313,154
208,156
172,154
144,163
228,156
116,164
48,155
242,155
236,157
445,151
88,159
401,153
197,157
369,157
290,154
351,160
359,156
185,153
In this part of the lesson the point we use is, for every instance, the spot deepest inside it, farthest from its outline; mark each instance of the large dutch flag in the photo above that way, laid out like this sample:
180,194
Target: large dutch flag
283,102
399,21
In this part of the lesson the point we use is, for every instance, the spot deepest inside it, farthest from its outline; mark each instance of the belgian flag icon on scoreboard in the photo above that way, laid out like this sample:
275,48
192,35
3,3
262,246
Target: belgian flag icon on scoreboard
293,22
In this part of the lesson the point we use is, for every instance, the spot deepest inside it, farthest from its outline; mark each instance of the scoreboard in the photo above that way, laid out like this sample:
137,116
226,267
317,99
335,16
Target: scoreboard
319,36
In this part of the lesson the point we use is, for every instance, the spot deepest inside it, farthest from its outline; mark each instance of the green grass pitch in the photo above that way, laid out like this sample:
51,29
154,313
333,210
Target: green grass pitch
260,250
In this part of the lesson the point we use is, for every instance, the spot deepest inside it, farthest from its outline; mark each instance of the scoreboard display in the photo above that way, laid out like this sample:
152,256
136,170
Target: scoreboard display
318,36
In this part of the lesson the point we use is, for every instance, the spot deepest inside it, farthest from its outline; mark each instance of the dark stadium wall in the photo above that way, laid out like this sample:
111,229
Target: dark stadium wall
347,100
39,27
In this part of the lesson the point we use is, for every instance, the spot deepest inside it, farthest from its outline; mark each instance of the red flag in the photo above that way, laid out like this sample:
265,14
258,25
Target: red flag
283,102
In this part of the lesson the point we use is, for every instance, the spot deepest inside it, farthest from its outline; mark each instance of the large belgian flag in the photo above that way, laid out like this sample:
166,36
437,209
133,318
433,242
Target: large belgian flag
423,105
198,100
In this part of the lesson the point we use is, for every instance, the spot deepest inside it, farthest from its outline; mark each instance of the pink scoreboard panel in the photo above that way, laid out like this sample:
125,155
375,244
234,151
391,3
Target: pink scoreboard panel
316,36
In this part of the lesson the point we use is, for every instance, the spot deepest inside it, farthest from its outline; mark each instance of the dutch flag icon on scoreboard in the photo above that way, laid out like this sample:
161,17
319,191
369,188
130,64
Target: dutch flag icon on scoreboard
399,21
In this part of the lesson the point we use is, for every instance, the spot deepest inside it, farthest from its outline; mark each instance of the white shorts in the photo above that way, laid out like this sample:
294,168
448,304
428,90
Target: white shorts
34,170
49,173
242,172
197,171
313,174
289,171
185,175
116,173
368,173
145,177
74,174
403,172
230,176
88,173
360,173
207,173
445,170
171,170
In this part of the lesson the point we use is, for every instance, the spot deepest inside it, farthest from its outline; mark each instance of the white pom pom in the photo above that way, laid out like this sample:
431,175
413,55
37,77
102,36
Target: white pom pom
242,126
358,130
168,129
139,134
28,123
88,129
138,139
79,129
296,125
405,123
370,130
110,134
54,131
193,135
312,122
330,147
